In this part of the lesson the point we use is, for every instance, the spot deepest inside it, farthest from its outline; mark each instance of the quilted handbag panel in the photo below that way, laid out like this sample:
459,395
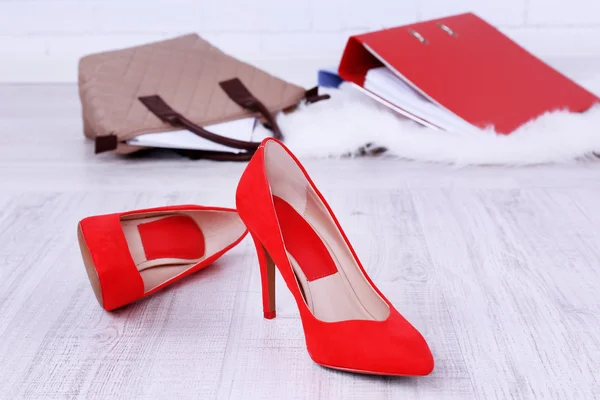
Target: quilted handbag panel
185,72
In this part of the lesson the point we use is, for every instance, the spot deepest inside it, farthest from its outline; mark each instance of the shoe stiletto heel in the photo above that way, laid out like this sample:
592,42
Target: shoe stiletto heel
348,323
267,279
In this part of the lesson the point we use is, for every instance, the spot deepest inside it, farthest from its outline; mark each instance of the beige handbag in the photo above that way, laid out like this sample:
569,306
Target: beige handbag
181,83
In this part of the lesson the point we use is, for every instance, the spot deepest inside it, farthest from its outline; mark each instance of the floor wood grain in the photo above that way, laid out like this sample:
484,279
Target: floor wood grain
498,267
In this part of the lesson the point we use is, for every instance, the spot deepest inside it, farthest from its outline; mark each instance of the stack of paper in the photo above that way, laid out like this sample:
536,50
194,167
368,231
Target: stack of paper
389,87
241,129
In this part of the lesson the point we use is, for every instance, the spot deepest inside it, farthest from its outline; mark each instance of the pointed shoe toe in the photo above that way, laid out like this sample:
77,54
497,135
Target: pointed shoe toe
391,347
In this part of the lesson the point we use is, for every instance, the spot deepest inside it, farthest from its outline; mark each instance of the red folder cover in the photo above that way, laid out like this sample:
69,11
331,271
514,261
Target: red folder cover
467,66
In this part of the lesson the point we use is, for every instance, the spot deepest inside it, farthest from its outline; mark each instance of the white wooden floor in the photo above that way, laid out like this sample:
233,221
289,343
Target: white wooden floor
498,268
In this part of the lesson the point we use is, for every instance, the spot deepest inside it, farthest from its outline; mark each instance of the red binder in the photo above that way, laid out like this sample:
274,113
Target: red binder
468,67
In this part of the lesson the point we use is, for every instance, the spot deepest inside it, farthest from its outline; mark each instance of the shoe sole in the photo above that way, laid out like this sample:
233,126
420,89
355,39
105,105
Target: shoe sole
90,268
363,372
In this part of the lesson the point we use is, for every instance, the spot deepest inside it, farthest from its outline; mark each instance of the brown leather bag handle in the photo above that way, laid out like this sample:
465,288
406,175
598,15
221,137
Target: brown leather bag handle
238,92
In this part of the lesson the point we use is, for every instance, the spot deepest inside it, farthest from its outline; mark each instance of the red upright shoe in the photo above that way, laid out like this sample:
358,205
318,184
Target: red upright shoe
348,323
131,255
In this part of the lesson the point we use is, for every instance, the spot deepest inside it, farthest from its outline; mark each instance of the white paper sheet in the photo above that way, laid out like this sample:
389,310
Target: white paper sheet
241,129
384,83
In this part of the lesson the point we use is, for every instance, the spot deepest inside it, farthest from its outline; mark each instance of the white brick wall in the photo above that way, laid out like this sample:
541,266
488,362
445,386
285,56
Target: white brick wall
41,40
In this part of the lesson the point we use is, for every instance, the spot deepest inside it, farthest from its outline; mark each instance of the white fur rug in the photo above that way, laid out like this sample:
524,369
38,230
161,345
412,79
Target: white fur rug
350,120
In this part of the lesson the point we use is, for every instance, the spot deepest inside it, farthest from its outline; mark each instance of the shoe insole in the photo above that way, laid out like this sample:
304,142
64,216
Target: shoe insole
325,288
172,237
163,247
303,243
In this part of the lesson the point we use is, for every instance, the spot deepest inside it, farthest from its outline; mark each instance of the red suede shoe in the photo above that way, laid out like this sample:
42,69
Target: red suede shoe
133,254
348,323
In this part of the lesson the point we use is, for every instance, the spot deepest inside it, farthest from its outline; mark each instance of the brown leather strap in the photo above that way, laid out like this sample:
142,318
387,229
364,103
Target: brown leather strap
163,111
239,93
313,96
105,143
236,90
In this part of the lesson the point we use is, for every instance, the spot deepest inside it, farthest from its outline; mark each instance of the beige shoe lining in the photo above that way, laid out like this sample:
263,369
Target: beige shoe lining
220,229
345,295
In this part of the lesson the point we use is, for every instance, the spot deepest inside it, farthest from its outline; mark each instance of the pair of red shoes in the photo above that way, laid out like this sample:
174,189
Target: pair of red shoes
348,323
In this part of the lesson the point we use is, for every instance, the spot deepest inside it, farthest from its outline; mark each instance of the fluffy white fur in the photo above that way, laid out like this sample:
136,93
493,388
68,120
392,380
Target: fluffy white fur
349,120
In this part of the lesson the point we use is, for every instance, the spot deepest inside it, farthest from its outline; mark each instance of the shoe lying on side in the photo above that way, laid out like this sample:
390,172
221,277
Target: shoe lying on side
133,254
348,323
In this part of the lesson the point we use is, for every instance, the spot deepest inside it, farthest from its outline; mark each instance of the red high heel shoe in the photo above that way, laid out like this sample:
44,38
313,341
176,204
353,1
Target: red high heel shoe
348,324
131,255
